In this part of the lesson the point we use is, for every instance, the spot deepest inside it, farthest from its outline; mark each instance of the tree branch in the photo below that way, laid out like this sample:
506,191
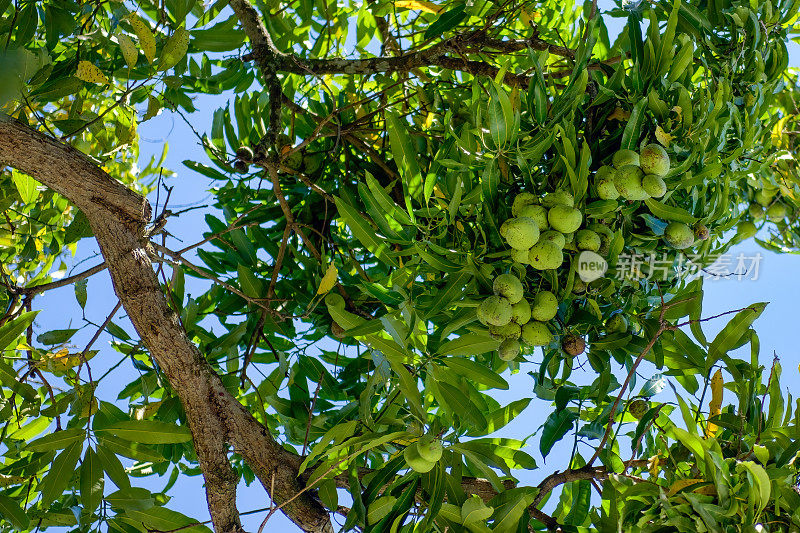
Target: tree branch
118,217
271,60
36,289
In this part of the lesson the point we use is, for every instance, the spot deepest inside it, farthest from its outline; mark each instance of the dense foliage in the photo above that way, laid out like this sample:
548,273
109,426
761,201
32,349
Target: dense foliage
405,192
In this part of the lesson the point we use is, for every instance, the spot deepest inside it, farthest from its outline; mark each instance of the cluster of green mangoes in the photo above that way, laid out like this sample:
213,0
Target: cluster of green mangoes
767,203
423,454
639,176
511,317
634,176
541,229
538,232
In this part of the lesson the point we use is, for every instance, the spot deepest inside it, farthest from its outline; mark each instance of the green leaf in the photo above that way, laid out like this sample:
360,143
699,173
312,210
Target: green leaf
633,129
8,377
760,480
364,232
733,332
149,432
460,404
476,372
408,384
80,292
380,508
555,427
112,466
27,187
132,450
503,415
77,229
13,329
165,519
446,21
469,344
132,498
667,212
57,440
390,208
251,285
501,116
654,385
56,336
509,507
60,473
693,442
91,481
223,37
405,156
11,511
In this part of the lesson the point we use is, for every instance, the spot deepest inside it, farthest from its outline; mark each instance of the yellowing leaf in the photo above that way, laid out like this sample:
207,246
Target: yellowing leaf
778,136
62,360
328,280
146,411
663,137
89,72
146,38
175,49
129,51
715,405
619,114
682,484
6,481
90,408
420,5
428,121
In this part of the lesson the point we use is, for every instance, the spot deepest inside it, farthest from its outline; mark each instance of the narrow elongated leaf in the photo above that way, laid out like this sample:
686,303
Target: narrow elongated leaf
149,432
761,481
134,498
503,415
670,213
733,332
633,130
166,520
251,285
91,481
408,384
380,508
11,330
555,427
469,344
60,473
112,466
364,232
509,507
57,440
11,511
446,21
476,372
405,155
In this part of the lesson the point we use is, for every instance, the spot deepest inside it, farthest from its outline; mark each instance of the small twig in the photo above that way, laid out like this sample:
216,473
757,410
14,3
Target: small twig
311,413
764,395
203,273
251,348
36,289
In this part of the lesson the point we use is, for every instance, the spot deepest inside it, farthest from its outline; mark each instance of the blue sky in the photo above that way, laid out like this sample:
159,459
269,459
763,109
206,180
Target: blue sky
775,284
